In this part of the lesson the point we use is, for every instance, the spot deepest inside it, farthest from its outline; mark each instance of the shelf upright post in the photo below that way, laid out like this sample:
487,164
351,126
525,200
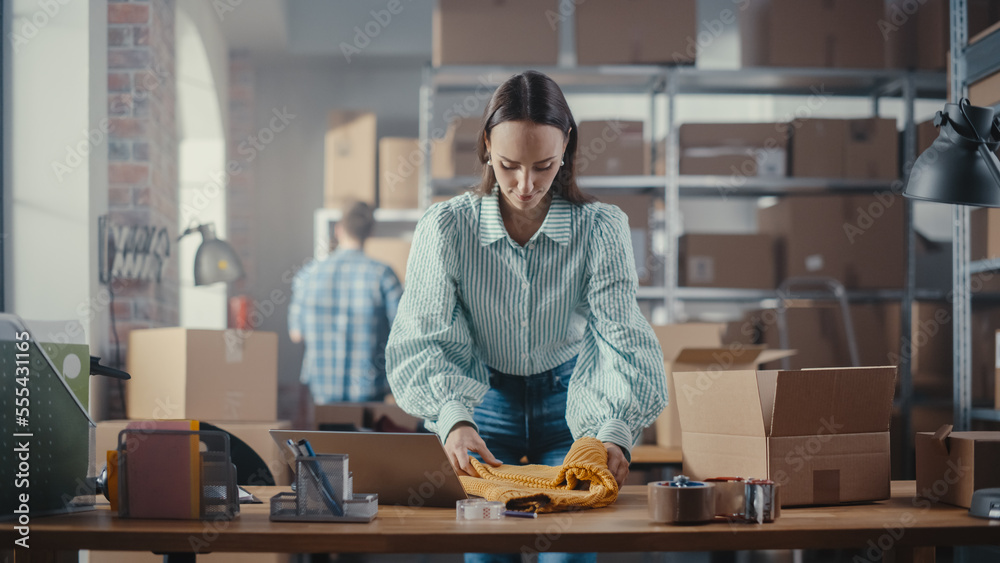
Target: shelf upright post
962,304
426,109
909,282
671,200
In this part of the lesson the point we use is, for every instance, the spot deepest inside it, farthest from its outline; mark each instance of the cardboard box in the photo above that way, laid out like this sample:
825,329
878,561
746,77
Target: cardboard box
698,346
725,260
822,434
503,32
812,33
923,418
254,434
951,465
399,167
393,252
846,148
349,152
636,32
735,164
637,207
737,135
926,133
202,374
856,239
917,34
984,233
986,92
611,148
872,150
456,153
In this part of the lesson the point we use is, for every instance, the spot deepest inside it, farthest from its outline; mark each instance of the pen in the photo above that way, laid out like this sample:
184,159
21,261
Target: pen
322,483
519,514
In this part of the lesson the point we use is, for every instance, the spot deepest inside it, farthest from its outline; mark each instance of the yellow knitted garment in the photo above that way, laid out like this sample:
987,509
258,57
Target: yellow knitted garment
582,481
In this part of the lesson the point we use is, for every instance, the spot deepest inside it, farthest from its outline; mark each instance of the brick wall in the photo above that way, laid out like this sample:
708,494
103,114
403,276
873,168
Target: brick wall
142,154
241,193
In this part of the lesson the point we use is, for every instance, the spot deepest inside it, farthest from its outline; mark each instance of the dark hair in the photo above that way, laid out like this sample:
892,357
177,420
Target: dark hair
532,96
358,220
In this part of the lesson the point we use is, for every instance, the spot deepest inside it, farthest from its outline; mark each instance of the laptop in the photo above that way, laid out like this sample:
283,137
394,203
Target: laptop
406,469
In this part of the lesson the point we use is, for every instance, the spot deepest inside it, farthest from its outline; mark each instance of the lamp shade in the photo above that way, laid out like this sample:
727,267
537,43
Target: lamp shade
960,167
215,261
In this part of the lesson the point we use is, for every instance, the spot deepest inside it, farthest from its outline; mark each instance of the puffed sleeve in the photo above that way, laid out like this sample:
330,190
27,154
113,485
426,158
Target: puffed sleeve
619,385
432,362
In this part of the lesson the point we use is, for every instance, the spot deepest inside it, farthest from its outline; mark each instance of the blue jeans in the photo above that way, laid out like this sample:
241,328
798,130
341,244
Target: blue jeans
525,416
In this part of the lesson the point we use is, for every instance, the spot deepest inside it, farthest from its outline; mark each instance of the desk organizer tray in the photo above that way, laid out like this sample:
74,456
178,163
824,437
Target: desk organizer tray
318,480
176,474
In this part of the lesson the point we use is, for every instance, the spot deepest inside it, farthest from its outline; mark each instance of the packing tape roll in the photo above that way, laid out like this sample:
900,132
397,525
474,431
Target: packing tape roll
681,501
746,500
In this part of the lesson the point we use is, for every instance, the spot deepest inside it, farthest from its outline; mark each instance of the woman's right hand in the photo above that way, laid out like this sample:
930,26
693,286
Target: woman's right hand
462,439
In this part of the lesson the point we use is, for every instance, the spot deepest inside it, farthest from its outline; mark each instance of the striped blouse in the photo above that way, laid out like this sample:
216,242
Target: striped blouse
476,298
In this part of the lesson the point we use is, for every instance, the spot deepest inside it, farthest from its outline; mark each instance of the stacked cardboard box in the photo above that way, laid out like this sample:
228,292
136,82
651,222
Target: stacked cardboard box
856,239
349,165
513,32
726,260
812,33
845,148
734,149
611,148
636,31
917,33
400,161
203,374
391,251
455,154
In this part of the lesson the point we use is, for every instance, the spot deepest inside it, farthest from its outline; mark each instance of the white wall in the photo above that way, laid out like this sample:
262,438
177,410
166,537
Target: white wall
56,161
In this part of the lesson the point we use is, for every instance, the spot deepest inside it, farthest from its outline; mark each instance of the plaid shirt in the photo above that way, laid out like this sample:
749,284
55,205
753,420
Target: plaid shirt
344,305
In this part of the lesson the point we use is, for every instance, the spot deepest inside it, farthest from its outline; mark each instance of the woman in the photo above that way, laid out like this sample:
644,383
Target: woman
518,329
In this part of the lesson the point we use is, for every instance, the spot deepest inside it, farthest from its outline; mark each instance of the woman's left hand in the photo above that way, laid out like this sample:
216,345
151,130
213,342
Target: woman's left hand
617,463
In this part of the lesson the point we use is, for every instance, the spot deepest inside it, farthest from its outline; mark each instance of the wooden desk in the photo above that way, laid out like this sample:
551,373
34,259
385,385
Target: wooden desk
911,529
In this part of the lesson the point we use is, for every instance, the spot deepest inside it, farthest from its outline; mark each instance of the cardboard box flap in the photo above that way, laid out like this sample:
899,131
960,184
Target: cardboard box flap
833,400
733,357
676,337
720,402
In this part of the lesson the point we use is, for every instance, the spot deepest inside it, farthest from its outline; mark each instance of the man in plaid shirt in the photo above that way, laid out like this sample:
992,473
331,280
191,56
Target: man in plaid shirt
342,308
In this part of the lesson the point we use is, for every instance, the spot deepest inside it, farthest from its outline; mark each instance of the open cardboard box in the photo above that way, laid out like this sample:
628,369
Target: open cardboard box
698,347
822,434
952,465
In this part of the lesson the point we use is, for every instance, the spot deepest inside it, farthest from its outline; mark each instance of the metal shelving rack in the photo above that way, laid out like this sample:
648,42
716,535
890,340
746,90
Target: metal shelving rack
969,63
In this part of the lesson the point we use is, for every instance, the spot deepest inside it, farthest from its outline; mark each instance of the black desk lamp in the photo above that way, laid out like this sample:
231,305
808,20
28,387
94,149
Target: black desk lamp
215,260
960,167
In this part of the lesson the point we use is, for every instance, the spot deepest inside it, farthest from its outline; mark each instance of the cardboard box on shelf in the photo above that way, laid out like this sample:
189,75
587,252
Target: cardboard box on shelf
812,33
822,434
468,32
985,92
349,153
393,252
698,346
727,260
872,149
951,465
917,35
926,133
637,207
737,135
846,148
253,434
735,164
984,233
399,163
611,148
740,149
455,154
856,239
636,32
203,374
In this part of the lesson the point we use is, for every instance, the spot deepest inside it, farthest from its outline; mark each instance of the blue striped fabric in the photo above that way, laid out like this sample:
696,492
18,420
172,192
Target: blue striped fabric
344,305
474,297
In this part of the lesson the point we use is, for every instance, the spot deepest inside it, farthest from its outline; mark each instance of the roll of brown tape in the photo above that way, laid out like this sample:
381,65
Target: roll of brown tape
681,501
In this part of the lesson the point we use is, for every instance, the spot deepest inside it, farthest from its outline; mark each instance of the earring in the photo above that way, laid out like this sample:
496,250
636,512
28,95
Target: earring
562,163
489,162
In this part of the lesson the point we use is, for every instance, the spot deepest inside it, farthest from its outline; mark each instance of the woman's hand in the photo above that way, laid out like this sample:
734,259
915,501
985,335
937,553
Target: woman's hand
617,463
462,439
